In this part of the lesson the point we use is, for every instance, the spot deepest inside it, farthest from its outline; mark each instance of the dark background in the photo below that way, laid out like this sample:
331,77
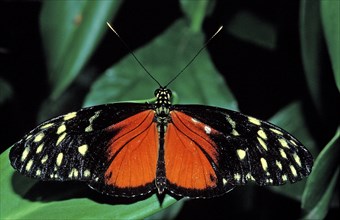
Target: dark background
256,83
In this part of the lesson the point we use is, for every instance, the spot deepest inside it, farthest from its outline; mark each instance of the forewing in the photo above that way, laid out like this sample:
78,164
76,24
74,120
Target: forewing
79,146
248,149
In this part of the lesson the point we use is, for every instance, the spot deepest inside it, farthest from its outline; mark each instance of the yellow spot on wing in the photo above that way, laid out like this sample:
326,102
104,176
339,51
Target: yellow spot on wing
87,173
38,172
40,147
237,176
25,153
292,168
264,164
241,153
39,137
262,134
293,142
44,159
61,138
70,116
283,143
61,129
284,177
262,143
276,131
46,125
29,165
283,154
297,159
279,165
59,159
73,173
83,149
254,120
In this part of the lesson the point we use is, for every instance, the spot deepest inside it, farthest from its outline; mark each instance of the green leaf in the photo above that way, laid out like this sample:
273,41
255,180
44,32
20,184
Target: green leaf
291,119
251,28
330,17
311,46
321,183
21,196
196,12
71,31
164,57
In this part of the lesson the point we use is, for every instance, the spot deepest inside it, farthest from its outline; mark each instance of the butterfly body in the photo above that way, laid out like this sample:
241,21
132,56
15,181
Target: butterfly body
130,149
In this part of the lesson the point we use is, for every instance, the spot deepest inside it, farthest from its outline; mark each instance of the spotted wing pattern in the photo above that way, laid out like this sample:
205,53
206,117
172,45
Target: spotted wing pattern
235,148
87,145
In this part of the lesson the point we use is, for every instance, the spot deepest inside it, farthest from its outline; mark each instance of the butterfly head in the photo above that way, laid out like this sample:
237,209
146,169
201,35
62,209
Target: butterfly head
163,101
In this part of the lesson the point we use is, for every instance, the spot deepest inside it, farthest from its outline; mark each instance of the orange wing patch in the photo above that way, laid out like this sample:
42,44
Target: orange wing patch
187,148
133,151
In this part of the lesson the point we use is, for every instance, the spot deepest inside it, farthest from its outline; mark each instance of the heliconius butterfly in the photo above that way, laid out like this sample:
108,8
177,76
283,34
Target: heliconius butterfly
132,149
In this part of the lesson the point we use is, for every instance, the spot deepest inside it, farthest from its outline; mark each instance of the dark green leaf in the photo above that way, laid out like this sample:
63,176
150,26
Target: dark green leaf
164,57
71,31
330,16
249,27
310,36
321,184
196,12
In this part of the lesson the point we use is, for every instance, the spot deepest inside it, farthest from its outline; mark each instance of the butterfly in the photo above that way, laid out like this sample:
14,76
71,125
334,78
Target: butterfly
137,149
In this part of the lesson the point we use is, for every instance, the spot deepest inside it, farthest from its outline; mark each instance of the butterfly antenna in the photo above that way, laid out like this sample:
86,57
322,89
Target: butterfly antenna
134,56
192,60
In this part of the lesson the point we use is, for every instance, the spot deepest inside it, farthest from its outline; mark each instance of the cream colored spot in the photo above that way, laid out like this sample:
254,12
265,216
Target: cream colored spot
262,134
61,129
278,164
96,179
59,159
29,165
283,143
262,143
39,137
283,154
83,149
264,164
73,173
235,133
231,121
70,116
90,128
237,177
284,177
270,180
46,126
207,129
254,120
38,172
44,159
61,138
248,176
225,181
87,173
293,142
39,148
297,159
241,153
25,153
292,168
276,131
28,137
194,120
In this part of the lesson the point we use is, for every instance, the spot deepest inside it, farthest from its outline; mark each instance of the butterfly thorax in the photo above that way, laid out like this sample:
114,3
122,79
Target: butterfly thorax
162,105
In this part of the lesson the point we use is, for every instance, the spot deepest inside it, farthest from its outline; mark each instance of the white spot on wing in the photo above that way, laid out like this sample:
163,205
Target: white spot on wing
207,129
39,137
262,134
61,138
283,143
44,159
254,120
46,126
283,153
61,129
25,153
262,143
297,159
264,164
29,165
39,148
292,168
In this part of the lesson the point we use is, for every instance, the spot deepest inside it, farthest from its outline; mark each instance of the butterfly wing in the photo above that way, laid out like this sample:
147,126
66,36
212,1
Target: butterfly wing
209,150
113,147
